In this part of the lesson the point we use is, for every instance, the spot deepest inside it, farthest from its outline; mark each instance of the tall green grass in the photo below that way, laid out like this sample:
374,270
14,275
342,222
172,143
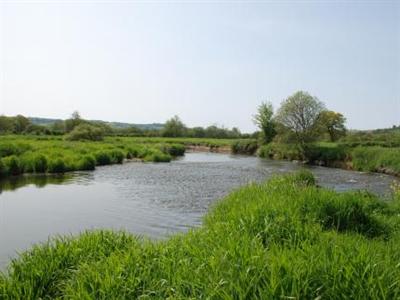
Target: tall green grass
285,239
376,159
362,158
47,154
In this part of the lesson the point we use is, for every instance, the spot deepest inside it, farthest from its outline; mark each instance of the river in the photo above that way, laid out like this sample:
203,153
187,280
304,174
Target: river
150,199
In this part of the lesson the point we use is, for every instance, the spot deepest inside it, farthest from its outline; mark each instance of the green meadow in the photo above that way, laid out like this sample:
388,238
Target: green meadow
284,239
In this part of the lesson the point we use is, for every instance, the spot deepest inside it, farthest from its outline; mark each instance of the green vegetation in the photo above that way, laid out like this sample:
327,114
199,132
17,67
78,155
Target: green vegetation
263,119
33,154
285,239
377,159
306,131
297,118
76,128
333,124
86,132
53,154
361,158
247,146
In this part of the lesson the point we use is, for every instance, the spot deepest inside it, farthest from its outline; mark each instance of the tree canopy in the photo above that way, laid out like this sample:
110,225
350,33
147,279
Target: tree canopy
264,120
299,114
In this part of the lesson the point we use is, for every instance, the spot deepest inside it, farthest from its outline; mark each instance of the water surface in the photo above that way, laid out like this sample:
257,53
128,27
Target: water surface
152,199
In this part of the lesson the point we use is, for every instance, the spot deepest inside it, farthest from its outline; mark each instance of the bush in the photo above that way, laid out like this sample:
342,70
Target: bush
244,147
86,132
280,151
87,163
12,165
174,149
326,153
56,165
102,158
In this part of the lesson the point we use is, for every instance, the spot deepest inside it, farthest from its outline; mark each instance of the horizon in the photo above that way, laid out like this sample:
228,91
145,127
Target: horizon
210,63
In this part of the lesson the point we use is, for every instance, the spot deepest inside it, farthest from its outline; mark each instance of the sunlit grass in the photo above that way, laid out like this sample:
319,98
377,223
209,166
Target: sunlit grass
53,154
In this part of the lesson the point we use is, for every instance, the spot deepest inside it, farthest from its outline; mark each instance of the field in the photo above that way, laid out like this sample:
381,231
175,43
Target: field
53,154
285,239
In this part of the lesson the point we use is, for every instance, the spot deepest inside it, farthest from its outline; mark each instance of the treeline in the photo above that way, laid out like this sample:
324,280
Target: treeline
77,128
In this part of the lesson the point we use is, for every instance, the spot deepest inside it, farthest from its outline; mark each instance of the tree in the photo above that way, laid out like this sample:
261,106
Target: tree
174,127
264,120
21,123
197,132
74,121
86,132
58,127
6,124
299,114
332,123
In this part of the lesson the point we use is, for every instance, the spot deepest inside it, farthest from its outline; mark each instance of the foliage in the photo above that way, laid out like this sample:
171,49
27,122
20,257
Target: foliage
376,159
264,120
283,239
85,132
332,123
21,123
326,153
244,147
174,128
281,151
299,114
173,149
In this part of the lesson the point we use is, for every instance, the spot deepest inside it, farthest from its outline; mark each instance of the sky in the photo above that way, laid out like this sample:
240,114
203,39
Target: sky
209,62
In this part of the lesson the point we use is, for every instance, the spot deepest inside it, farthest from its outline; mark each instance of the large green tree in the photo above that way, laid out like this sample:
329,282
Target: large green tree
21,123
174,127
332,123
264,120
299,115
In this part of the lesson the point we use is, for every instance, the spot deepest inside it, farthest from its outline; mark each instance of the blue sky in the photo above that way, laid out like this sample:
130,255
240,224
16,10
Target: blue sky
208,62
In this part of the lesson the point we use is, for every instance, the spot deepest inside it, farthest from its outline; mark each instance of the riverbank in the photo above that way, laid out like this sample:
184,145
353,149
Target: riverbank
263,241
360,158
53,154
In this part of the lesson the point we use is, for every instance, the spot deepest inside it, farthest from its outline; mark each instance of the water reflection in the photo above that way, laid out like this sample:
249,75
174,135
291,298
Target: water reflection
39,181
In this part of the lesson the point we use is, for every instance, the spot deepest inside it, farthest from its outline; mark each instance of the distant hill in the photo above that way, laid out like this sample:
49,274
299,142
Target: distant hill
49,121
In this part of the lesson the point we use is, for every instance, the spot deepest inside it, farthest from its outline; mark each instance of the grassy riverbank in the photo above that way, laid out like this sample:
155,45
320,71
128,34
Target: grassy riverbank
362,158
48,154
286,239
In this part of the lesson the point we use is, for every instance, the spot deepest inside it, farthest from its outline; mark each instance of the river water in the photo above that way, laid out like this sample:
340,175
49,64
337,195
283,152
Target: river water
151,199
